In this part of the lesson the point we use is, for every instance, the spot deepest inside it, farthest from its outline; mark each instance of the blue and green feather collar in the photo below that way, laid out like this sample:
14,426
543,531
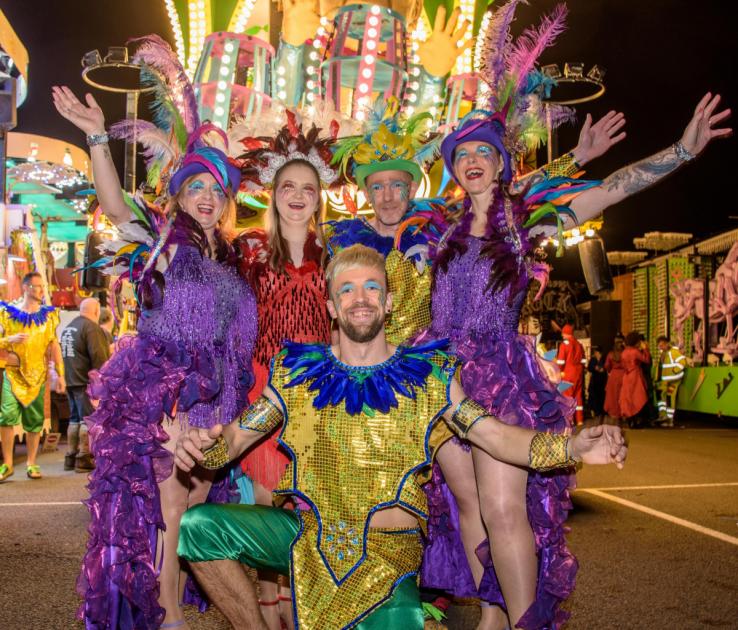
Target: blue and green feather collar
25,318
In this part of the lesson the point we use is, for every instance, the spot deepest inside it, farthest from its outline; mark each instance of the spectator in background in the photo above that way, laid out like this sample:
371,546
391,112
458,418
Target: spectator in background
597,383
107,323
615,373
668,378
571,362
85,347
649,410
633,395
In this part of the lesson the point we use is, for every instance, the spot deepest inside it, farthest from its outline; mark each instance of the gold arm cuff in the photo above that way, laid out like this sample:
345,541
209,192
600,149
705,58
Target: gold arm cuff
263,416
466,414
217,455
549,451
565,166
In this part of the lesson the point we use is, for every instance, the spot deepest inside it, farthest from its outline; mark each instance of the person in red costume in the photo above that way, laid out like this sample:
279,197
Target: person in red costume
634,393
284,266
571,360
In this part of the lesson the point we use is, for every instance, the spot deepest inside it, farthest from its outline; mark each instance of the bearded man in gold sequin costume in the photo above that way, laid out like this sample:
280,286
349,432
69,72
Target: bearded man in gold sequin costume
356,422
28,334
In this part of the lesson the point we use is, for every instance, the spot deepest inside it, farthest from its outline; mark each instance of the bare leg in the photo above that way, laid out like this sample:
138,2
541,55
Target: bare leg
232,591
268,580
32,442
458,470
502,495
7,435
173,495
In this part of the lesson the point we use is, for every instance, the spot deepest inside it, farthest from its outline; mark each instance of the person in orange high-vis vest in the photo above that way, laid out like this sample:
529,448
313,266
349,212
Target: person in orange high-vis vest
571,360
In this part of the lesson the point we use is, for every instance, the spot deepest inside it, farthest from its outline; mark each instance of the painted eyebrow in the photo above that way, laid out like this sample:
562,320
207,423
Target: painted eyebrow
346,286
372,284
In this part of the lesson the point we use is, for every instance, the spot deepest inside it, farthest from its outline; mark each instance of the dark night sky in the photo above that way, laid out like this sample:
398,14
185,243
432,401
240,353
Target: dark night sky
661,56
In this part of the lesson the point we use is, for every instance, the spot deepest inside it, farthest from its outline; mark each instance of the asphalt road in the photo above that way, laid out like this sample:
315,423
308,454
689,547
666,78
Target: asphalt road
657,542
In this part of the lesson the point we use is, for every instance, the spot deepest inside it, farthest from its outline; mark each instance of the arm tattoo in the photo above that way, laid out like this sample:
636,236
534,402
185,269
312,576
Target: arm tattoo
636,177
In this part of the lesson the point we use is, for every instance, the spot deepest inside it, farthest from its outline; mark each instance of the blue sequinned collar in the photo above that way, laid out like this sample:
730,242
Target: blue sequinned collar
363,389
25,318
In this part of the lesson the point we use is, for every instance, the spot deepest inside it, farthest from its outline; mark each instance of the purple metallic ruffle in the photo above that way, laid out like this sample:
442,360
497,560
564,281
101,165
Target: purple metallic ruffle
141,383
504,377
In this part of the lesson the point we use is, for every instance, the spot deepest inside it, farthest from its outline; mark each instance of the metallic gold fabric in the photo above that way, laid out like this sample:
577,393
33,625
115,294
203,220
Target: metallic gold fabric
346,466
26,379
564,166
467,412
411,297
217,455
262,416
549,451
321,603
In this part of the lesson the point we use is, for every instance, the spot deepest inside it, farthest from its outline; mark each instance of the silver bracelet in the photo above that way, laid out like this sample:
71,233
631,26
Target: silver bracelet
682,153
97,138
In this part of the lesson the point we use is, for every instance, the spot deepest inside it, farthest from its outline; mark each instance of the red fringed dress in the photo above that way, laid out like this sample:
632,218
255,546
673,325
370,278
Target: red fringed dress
291,306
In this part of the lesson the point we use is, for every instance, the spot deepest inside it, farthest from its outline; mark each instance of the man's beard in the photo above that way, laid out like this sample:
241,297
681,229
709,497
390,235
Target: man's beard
361,334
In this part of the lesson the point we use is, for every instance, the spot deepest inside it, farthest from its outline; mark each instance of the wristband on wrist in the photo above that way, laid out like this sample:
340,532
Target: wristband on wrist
217,455
94,139
549,451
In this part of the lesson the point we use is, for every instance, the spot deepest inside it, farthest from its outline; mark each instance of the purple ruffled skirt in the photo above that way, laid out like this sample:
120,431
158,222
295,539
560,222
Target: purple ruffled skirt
503,375
144,381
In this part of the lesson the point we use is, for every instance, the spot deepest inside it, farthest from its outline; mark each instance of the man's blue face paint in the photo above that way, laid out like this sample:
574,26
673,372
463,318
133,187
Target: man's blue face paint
398,188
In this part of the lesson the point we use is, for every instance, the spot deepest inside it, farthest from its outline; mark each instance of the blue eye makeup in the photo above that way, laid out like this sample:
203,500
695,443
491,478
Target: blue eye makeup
372,285
346,288
196,187
484,151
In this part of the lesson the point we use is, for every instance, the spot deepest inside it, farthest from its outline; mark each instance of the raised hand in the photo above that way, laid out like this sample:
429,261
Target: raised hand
701,129
300,21
191,446
439,52
90,119
603,444
596,140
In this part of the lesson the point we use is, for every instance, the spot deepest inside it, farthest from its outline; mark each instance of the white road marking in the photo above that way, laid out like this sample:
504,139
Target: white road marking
678,486
41,504
663,515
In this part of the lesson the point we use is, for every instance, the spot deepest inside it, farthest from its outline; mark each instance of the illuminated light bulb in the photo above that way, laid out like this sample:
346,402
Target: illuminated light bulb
410,110
433,111
372,32
310,84
226,59
311,70
575,232
222,85
589,232
280,70
224,71
371,44
366,73
220,97
281,82
228,47
317,43
368,59
412,98
373,20
310,96
321,31
324,21
415,85
416,71
360,115
363,88
313,56
219,111
282,94
375,9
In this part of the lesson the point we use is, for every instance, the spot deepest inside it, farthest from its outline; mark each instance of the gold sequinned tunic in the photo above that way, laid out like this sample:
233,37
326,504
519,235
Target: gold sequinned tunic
27,379
346,467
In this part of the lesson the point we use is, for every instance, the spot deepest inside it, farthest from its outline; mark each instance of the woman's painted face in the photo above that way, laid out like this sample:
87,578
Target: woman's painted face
475,166
297,194
203,199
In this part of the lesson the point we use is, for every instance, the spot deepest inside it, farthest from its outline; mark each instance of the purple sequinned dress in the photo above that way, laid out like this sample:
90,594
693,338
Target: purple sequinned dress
192,358
500,371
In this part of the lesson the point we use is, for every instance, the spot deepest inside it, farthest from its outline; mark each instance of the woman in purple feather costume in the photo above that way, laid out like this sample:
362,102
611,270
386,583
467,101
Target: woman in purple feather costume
189,365
497,531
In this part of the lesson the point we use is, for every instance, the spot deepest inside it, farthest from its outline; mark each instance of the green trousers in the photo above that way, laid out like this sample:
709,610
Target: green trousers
260,537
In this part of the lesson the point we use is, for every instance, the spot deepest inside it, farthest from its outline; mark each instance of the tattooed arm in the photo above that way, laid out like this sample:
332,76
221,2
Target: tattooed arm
645,173
91,121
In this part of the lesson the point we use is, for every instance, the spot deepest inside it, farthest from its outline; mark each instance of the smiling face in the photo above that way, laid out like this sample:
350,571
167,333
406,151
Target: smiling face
297,194
476,165
360,302
389,193
203,199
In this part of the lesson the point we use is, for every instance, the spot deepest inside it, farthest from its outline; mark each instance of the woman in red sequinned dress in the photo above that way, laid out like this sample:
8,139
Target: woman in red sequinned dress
284,266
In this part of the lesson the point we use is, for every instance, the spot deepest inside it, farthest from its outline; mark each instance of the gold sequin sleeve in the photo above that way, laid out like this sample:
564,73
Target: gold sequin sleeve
549,451
262,416
564,166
